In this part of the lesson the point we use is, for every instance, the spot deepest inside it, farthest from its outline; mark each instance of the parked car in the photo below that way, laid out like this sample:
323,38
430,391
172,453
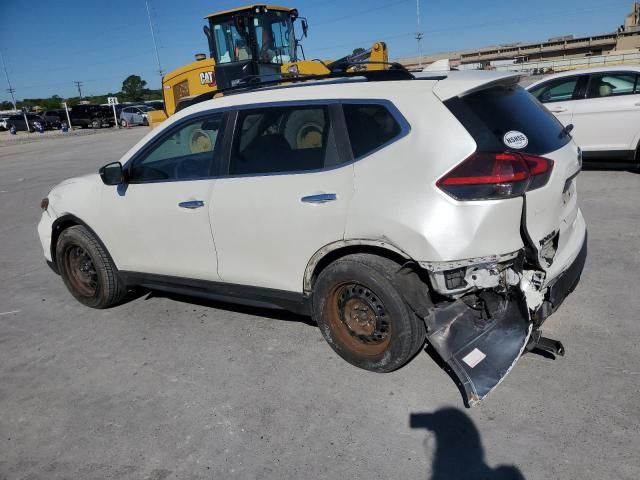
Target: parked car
603,104
94,116
54,117
3,122
135,115
393,211
34,120
155,104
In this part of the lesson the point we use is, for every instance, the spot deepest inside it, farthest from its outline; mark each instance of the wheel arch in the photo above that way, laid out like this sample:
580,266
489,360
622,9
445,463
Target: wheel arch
69,220
333,251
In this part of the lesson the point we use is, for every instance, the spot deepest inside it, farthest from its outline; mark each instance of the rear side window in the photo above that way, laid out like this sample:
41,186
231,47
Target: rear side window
488,115
612,84
283,139
559,90
369,127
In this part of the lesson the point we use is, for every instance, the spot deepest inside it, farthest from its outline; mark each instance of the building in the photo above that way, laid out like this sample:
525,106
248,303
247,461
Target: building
559,53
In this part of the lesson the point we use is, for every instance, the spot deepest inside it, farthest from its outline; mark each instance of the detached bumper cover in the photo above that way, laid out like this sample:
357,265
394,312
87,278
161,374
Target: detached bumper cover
481,337
481,343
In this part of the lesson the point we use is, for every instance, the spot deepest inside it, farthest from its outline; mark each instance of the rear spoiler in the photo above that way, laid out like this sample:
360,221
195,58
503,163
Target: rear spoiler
461,83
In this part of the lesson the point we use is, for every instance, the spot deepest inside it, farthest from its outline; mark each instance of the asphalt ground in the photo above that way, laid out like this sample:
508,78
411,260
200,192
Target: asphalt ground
180,388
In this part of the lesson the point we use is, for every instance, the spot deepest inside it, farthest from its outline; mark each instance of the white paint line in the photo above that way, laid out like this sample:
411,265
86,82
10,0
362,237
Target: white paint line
9,313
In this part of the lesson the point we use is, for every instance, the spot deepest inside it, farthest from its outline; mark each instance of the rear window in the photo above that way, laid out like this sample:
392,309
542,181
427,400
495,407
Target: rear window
370,127
283,139
490,114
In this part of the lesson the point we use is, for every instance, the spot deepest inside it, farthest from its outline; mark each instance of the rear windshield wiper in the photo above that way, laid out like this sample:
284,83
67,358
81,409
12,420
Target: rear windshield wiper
566,130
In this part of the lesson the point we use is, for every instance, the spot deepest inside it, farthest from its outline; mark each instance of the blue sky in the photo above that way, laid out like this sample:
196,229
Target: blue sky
48,44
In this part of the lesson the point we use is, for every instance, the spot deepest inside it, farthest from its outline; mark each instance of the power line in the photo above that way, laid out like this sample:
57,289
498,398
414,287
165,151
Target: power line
523,19
361,12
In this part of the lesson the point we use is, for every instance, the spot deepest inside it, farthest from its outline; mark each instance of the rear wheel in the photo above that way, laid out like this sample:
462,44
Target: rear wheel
123,123
145,122
96,123
362,315
87,270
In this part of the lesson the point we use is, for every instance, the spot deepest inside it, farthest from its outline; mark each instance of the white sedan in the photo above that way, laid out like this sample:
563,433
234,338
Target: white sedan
603,104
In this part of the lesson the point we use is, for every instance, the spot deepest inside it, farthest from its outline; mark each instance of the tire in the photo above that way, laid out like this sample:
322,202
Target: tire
145,122
96,123
86,269
123,123
363,316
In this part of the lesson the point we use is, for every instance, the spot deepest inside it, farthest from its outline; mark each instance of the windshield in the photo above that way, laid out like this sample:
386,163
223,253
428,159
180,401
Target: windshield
274,35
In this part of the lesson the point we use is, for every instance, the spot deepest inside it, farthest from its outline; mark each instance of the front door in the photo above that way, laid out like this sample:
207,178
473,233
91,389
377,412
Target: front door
162,211
560,96
286,196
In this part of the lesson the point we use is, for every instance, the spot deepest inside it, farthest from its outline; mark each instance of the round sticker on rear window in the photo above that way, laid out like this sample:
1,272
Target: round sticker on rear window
515,139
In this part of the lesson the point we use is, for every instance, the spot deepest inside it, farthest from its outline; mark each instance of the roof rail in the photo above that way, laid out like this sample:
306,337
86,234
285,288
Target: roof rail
396,73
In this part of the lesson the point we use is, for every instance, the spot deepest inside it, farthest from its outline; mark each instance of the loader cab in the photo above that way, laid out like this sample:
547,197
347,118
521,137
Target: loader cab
251,43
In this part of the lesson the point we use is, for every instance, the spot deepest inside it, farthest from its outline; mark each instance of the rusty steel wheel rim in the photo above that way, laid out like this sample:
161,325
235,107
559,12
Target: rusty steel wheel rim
359,319
81,271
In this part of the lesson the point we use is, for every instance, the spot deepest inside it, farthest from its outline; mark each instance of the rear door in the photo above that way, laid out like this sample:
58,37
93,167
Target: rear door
286,195
609,118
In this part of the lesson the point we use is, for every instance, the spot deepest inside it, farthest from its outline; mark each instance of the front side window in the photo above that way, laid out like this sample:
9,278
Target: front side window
282,139
183,153
559,90
370,127
612,84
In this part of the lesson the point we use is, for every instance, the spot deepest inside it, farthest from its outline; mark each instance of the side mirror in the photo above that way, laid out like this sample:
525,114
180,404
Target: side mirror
305,27
112,174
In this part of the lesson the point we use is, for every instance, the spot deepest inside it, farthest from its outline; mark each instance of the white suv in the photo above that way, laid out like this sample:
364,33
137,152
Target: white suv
391,211
603,104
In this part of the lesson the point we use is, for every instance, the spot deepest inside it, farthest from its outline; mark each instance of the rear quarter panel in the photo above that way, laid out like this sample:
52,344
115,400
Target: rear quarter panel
396,199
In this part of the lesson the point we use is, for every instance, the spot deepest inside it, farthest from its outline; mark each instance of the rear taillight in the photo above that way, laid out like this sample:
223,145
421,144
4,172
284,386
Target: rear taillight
490,176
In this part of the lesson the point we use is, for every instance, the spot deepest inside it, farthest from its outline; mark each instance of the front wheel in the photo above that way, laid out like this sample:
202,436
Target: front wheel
86,269
363,316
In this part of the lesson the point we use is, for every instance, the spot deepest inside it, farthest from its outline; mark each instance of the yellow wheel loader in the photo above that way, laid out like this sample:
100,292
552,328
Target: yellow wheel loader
253,44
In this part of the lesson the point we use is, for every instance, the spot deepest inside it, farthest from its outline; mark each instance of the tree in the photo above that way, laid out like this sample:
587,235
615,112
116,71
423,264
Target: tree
6,105
133,88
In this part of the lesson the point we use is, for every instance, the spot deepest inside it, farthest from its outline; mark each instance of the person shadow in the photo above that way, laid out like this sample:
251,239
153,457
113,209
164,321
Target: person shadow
459,453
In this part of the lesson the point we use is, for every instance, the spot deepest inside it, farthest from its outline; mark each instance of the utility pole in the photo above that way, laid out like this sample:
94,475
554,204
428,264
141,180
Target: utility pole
11,90
419,34
153,37
79,85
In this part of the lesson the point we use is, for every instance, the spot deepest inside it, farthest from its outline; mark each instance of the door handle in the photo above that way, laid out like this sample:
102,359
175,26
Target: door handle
637,104
191,204
558,110
319,198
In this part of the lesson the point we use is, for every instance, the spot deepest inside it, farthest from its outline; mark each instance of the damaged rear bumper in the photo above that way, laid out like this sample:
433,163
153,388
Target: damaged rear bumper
481,335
